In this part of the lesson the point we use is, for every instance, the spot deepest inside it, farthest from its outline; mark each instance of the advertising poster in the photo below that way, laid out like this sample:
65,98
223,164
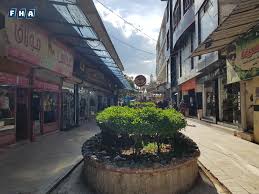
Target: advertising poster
243,58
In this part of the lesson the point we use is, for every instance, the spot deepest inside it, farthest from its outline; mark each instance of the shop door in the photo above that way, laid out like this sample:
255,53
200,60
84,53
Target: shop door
36,113
22,128
68,113
192,103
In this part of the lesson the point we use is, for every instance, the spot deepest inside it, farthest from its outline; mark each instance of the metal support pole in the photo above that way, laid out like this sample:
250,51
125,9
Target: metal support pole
30,97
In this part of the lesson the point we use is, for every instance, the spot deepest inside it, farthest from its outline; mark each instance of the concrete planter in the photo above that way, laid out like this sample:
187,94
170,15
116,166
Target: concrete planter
169,179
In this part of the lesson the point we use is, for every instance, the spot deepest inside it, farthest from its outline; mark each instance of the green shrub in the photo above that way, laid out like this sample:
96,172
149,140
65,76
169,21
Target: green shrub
141,121
142,104
143,125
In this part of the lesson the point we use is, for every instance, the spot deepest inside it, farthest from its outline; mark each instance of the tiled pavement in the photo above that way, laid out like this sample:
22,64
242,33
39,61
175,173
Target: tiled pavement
235,162
28,168
32,167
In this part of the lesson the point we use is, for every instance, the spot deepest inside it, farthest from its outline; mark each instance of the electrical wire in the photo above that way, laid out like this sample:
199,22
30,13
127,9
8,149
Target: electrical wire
127,22
122,42
129,45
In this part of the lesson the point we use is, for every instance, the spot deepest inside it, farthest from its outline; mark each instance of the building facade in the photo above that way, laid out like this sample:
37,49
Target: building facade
214,55
236,39
198,81
53,76
163,58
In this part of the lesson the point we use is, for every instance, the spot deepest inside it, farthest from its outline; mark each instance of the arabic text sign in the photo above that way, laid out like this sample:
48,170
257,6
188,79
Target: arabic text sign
32,45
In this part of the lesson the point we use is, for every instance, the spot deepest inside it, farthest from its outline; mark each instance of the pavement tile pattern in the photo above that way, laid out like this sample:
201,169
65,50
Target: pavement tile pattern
30,168
235,162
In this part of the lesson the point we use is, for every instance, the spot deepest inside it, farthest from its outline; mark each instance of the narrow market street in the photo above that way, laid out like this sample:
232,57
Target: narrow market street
34,167
129,97
233,161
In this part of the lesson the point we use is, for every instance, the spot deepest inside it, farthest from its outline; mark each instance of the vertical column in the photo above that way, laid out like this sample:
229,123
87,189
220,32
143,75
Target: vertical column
60,103
243,105
256,112
30,116
77,104
204,100
220,103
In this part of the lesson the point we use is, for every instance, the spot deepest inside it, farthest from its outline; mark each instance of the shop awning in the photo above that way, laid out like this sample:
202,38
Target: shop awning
243,17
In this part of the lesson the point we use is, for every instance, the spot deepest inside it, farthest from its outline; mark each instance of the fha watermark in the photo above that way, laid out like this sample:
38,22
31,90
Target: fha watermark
22,13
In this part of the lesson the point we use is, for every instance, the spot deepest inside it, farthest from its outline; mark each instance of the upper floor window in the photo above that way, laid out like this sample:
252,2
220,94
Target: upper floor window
207,19
192,48
177,13
180,64
187,4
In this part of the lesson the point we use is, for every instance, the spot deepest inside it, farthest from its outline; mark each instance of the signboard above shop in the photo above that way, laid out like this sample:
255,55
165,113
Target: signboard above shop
243,58
29,44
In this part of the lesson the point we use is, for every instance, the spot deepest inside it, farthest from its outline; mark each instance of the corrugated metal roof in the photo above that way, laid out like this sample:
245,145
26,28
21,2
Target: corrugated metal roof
243,17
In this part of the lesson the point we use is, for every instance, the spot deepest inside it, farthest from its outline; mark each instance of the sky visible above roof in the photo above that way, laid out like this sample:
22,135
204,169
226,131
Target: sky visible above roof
145,15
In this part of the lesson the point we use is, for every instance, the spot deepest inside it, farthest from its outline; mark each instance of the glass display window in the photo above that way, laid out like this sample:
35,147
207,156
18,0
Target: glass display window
68,111
50,107
7,108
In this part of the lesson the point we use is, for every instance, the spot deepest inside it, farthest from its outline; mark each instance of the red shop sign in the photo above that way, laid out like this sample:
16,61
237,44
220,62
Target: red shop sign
189,85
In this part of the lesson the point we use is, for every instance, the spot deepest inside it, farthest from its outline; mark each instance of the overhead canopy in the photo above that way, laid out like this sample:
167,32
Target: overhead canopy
243,17
91,34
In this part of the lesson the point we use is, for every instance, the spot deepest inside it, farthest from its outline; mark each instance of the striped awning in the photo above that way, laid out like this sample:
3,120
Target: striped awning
244,17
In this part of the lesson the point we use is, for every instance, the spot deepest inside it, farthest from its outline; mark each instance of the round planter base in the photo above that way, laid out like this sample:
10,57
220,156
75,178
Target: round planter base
169,179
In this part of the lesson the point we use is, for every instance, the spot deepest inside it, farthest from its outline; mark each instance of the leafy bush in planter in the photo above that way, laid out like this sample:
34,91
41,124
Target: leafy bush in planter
142,104
141,121
139,126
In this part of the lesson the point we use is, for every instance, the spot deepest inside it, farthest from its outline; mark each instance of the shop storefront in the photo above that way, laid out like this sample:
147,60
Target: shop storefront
45,107
7,114
84,109
231,103
31,69
210,94
13,108
187,91
243,70
68,106
93,103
